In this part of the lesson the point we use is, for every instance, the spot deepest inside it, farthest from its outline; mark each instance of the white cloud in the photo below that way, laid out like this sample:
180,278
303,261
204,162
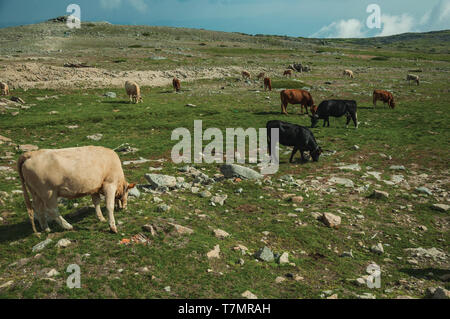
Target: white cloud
351,28
438,17
396,24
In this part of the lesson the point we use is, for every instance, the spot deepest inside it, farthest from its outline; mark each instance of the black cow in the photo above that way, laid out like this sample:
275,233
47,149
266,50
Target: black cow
300,137
335,108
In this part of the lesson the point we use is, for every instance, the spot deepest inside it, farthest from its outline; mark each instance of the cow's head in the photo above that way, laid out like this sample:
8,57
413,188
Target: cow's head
122,195
392,103
316,154
314,120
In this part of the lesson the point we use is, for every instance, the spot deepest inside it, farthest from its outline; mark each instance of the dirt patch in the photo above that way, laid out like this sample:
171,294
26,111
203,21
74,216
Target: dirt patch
33,75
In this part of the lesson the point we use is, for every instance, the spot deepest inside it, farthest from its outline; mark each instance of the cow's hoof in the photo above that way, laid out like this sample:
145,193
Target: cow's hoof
113,229
102,219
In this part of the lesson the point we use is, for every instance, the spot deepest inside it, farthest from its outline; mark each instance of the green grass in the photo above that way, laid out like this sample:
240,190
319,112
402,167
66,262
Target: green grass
415,134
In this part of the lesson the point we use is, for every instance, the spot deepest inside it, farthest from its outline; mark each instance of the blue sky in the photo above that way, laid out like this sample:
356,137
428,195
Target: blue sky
307,18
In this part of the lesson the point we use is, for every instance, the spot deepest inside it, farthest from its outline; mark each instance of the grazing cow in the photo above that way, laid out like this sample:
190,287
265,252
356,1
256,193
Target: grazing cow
385,96
71,173
176,84
246,75
287,73
349,73
261,75
4,89
296,96
133,91
412,77
300,137
267,84
335,108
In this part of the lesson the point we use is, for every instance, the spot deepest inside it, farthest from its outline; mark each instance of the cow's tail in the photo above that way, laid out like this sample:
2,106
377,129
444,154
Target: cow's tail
30,211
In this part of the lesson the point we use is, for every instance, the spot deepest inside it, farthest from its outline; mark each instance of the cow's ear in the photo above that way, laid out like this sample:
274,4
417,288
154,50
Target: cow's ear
130,186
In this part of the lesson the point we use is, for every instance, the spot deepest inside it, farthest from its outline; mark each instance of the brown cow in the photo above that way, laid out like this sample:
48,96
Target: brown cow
267,84
71,173
384,96
176,84
261,75
287,73
246,75
296,96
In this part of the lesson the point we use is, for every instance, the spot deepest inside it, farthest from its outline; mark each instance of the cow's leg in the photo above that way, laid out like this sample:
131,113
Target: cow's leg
293,153
374,101
303,156
348,119
53,212
328,121
98,210
39,212
110,194
355,119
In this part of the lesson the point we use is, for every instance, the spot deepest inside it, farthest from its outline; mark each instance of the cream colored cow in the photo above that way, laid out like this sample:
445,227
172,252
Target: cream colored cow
348,73
71,173
133,91
4,89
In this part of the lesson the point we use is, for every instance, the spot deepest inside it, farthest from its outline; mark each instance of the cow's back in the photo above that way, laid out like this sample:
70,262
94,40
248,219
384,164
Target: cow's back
72,171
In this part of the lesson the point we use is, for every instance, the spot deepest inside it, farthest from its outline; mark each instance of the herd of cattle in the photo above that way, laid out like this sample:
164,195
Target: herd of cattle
81,171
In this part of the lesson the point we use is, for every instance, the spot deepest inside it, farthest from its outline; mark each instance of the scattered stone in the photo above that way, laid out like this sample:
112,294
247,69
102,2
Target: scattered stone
353,167
379,194
205,194
158,180
427,253
378,248
397,168
247,294
215,253
221,234
279,279
233,170
182,230
441,207
52,273
424,190
163,208
297,199
331,220
356,147
41,245
95,137
438,293
134,192
7,284
366,295
342,181
111,95
63,243
284,258
265,254
347,254
377,175
219,199
167,288
139,161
